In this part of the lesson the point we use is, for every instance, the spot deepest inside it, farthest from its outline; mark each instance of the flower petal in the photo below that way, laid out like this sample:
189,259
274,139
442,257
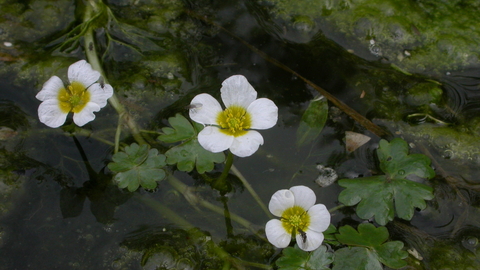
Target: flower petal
319,218
304,196
313,240
213,140
82,72
205,109
50,89
264,113
86,114
280,201
50,114
247,144
276,234
236,90
100,95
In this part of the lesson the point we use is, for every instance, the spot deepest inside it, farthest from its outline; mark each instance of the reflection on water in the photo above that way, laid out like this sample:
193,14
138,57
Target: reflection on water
59,209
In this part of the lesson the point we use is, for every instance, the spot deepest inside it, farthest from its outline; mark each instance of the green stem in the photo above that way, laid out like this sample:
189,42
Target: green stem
228,165
226,213
250,189
220,183
118,132
336,208
88,133
195,200
94,61
184,224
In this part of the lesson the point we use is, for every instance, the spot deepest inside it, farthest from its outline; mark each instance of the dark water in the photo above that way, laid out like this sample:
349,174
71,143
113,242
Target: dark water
63,212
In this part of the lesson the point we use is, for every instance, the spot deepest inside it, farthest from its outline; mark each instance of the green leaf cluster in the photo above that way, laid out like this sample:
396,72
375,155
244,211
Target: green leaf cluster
138,166
368,249
295,258
188,154
382,195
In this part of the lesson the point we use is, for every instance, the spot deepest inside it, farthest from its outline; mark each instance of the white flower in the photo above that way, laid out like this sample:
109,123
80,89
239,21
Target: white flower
298,216
232,128
82,97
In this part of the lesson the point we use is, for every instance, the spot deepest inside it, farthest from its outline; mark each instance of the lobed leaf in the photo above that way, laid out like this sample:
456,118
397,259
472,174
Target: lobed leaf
138,166
369,248
377,196
294,258
382,195
181,130
398,164
189,154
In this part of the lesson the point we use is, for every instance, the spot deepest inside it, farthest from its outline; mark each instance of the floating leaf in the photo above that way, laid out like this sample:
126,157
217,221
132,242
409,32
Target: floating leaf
181,130
295,258
138,166
313,121
381,195
398,164
189,154
369,248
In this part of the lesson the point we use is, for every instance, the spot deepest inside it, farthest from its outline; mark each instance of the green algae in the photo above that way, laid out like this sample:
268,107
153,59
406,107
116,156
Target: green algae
417,36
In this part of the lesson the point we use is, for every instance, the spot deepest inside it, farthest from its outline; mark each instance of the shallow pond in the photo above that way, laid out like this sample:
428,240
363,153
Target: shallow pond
60,207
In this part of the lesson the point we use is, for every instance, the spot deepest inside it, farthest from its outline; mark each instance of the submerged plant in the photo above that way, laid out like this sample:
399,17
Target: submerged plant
299,217
232,128
83,96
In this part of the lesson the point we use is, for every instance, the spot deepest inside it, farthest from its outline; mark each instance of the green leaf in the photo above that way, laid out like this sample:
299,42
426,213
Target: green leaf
313,121
356,258
382,195
138,166
181,130
189,154
397,164
329,235
369,243
295,258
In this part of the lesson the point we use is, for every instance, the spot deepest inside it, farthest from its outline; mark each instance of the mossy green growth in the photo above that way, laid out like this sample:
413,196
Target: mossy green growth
417,36
33,21
424,94
450,256
453,143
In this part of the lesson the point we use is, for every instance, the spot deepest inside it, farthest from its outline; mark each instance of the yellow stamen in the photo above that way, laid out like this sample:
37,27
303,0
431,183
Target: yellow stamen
234,121
73,98
295,220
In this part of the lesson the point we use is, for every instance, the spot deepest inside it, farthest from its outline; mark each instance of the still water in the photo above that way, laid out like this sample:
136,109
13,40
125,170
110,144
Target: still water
60,210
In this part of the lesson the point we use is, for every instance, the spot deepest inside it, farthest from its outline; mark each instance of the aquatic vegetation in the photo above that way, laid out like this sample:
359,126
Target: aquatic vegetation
368,248
166,184
188,154
383,195
427,36
299,217
233,128
138,166
295,258
83,96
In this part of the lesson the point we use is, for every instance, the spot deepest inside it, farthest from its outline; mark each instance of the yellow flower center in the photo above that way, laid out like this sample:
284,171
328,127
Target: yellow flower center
73,98
234,121
295,220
